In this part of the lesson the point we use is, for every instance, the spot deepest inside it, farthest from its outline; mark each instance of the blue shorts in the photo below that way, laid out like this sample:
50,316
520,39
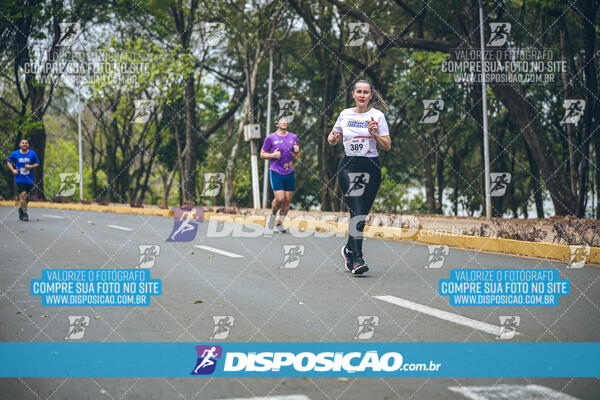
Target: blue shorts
282,182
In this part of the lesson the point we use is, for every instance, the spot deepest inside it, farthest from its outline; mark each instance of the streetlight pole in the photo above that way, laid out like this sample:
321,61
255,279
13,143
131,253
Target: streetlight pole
486,147
253,145
80,153
254,166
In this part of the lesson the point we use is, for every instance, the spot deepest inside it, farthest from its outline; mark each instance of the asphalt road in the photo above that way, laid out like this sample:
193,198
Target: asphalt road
315,301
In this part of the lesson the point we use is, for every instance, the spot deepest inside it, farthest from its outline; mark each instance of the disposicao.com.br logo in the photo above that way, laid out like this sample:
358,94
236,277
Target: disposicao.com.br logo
314,363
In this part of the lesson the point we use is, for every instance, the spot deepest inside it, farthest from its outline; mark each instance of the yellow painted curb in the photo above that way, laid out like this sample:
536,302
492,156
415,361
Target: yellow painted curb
518,247
94,207
509,246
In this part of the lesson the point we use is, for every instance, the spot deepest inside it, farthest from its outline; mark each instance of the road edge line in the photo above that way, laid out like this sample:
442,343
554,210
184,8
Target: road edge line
544,250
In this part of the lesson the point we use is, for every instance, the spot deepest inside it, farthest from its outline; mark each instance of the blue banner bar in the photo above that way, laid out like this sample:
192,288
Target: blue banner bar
350,359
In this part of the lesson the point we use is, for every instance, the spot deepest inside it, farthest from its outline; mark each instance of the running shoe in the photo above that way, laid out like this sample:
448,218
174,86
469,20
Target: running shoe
348,259
25,216
360,266
271,222
279,228
20,214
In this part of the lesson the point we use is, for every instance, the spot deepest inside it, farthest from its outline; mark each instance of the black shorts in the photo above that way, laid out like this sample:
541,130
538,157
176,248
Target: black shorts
24,187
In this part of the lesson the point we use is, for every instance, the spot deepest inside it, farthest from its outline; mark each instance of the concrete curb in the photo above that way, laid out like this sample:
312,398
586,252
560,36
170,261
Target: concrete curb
543,250
94,207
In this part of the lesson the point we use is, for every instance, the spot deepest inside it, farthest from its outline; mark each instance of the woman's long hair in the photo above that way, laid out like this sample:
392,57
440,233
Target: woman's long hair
376,100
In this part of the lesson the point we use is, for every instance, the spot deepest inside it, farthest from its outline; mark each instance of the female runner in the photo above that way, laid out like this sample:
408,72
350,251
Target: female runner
363,128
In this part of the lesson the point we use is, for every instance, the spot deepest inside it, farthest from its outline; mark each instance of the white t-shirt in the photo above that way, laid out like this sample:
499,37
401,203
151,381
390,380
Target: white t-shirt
356,137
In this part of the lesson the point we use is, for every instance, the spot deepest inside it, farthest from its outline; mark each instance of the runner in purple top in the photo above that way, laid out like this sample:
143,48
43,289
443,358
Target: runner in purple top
281,147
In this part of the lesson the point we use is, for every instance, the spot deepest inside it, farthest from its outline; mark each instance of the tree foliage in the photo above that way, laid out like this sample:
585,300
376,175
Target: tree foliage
205,93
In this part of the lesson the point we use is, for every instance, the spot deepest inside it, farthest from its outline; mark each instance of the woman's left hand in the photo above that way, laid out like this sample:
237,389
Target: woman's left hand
373,128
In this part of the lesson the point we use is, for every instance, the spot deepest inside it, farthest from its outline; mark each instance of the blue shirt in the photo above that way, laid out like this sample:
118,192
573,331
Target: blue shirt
19,160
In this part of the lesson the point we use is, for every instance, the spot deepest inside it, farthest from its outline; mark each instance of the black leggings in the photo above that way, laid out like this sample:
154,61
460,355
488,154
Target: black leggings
359,179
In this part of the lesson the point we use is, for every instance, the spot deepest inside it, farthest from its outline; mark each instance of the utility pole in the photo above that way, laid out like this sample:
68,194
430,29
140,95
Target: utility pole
486,147
80,152
265,177
255,184
250,134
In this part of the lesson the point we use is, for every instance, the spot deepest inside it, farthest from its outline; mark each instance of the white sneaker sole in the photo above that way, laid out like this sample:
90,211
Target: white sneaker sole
360,270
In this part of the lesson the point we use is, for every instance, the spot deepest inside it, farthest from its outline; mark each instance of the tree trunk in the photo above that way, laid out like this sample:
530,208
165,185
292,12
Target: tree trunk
455,167
428,178
570,135
191,141
328,155
511,187
111,163
597,174
535,184
37,138
94,173
237,137
591,115
183,21
500,166
180,155
439,166
439,169
540,146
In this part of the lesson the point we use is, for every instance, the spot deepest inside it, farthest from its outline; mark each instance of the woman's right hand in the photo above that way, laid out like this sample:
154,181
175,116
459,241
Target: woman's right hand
334,137
276,154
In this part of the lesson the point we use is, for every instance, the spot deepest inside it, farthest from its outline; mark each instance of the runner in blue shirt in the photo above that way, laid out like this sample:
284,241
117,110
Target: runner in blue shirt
21,163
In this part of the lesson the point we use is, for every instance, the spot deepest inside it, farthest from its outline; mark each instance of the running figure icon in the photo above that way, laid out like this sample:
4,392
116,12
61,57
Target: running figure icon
358,184
432,112
186,223
500,32
292,254
358,32
222,327
148,254
207,359
573,111
366,326
500,182
208,356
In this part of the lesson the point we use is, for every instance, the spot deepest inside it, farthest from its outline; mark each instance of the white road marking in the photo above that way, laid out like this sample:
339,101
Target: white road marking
445,315
510,392
218,251
123,228
283,397
52,216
